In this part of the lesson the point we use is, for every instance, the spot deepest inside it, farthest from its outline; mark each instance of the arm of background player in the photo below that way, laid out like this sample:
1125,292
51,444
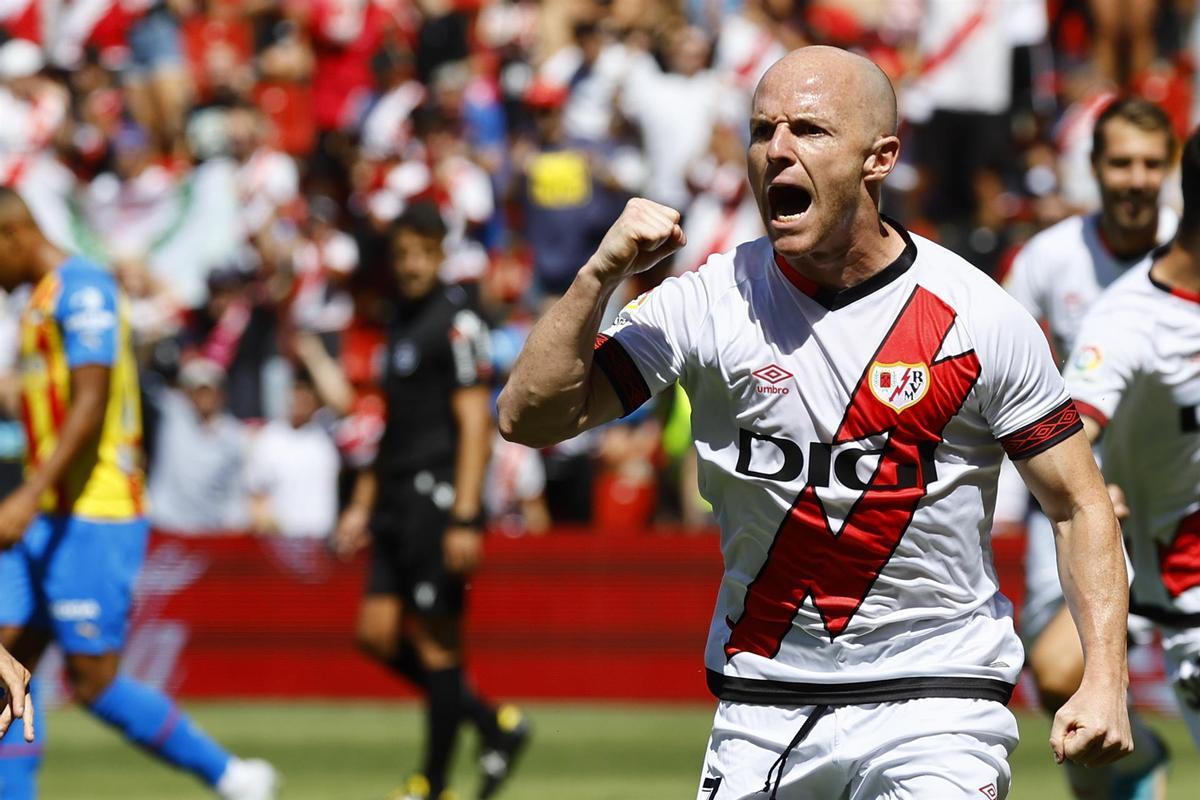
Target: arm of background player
554,392
472,411
352,532
1092,728
85,417
332,386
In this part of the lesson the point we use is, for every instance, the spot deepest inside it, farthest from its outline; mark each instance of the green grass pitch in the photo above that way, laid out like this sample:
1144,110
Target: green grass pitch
360,751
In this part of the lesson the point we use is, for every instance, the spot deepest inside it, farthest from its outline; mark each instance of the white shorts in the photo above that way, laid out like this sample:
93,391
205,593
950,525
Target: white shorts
919,749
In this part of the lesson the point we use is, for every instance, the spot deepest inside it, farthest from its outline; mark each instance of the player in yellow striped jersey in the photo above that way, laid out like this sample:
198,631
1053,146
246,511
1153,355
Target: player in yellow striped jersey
73,534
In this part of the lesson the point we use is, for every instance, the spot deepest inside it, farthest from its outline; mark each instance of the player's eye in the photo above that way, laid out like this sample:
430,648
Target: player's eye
803,128
761,131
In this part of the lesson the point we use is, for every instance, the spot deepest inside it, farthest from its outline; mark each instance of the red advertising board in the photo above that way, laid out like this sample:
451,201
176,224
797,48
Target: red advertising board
571,615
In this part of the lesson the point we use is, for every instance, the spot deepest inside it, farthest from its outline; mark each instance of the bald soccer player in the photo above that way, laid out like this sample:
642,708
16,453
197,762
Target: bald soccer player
853,388
73,535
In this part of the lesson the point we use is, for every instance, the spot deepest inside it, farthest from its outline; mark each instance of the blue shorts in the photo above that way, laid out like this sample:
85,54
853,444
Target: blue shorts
154,43
74,577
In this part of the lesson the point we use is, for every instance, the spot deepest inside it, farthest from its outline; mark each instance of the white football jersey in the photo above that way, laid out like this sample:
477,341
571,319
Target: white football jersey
850,442
1060,273
1136,370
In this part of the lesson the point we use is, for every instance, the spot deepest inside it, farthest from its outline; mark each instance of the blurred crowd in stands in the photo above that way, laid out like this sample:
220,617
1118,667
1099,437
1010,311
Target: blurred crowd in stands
238,163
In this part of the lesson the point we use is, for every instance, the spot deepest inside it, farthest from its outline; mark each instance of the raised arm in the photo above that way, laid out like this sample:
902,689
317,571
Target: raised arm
1092,728
553,392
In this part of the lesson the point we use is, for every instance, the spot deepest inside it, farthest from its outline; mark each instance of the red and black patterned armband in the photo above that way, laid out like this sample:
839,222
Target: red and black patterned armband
623,374
1039,436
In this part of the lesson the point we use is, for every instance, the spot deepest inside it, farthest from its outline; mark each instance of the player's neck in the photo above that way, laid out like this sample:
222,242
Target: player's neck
46,258
1127,242
870,249
1179,267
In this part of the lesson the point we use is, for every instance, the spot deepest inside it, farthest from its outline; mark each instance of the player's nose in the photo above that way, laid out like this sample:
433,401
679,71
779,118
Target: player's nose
1139,175
780,147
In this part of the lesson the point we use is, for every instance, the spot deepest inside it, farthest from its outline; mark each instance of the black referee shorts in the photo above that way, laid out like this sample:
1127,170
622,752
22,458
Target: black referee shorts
407,530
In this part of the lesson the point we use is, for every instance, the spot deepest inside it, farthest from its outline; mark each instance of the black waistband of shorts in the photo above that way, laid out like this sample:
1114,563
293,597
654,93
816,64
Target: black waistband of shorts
759,691
1172,619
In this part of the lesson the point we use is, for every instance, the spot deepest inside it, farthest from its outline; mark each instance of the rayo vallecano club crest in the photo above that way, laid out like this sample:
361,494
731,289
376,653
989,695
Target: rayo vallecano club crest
899,384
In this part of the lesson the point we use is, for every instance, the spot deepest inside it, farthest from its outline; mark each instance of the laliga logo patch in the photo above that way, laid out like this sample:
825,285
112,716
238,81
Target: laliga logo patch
900,384
636,303
626,315
1087,359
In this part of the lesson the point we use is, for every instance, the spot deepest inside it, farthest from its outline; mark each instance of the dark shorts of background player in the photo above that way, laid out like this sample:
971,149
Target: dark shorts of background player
407,530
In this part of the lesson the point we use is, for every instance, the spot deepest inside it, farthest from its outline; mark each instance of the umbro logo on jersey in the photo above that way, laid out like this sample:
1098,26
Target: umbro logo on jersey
899,384
989,791
772,374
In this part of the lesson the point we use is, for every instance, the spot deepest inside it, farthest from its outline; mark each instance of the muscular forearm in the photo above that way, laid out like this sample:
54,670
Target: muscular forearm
546,398
1092,570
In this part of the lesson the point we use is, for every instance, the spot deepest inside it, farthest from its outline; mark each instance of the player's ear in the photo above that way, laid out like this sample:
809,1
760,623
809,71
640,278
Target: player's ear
882,159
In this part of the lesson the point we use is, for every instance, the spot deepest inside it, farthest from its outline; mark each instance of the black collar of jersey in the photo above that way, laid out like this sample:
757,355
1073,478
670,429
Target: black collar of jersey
1182,294
833,299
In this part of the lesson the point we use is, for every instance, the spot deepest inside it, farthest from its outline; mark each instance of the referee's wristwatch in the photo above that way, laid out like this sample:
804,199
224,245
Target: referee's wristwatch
475,522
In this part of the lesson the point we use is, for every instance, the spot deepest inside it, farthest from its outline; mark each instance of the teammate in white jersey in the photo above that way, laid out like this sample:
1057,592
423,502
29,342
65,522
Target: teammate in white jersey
1057,277
853,391
1135,373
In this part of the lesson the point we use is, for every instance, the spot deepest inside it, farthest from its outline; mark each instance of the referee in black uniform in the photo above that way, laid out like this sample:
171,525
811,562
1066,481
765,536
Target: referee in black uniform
420,506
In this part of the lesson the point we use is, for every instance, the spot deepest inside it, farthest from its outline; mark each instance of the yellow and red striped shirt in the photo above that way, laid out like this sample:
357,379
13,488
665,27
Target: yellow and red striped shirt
76,316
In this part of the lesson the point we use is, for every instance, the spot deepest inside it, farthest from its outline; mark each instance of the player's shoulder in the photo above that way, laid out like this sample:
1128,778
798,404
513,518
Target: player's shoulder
1064,236
1048,252
723,271
460,304
84,283
979,303
705,286
957,281
79,269
1125,323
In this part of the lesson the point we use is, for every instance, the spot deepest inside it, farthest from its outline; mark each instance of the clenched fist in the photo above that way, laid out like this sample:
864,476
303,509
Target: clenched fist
643,235
1092,728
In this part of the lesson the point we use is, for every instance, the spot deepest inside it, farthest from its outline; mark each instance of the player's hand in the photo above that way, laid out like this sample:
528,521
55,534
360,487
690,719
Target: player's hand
18,702
352,532
462,549
16,512
1120,506
1092,728
643,235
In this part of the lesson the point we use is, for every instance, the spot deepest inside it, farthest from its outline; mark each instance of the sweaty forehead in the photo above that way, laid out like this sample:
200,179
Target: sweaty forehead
794,93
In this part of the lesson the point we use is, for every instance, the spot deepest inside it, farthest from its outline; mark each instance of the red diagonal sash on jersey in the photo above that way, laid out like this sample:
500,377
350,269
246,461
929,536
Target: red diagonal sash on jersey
806,558
1179,561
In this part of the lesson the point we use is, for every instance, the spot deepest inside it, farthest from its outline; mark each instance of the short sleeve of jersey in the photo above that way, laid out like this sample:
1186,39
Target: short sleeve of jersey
1101,366
471,349
1023,395
646,348
87,316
